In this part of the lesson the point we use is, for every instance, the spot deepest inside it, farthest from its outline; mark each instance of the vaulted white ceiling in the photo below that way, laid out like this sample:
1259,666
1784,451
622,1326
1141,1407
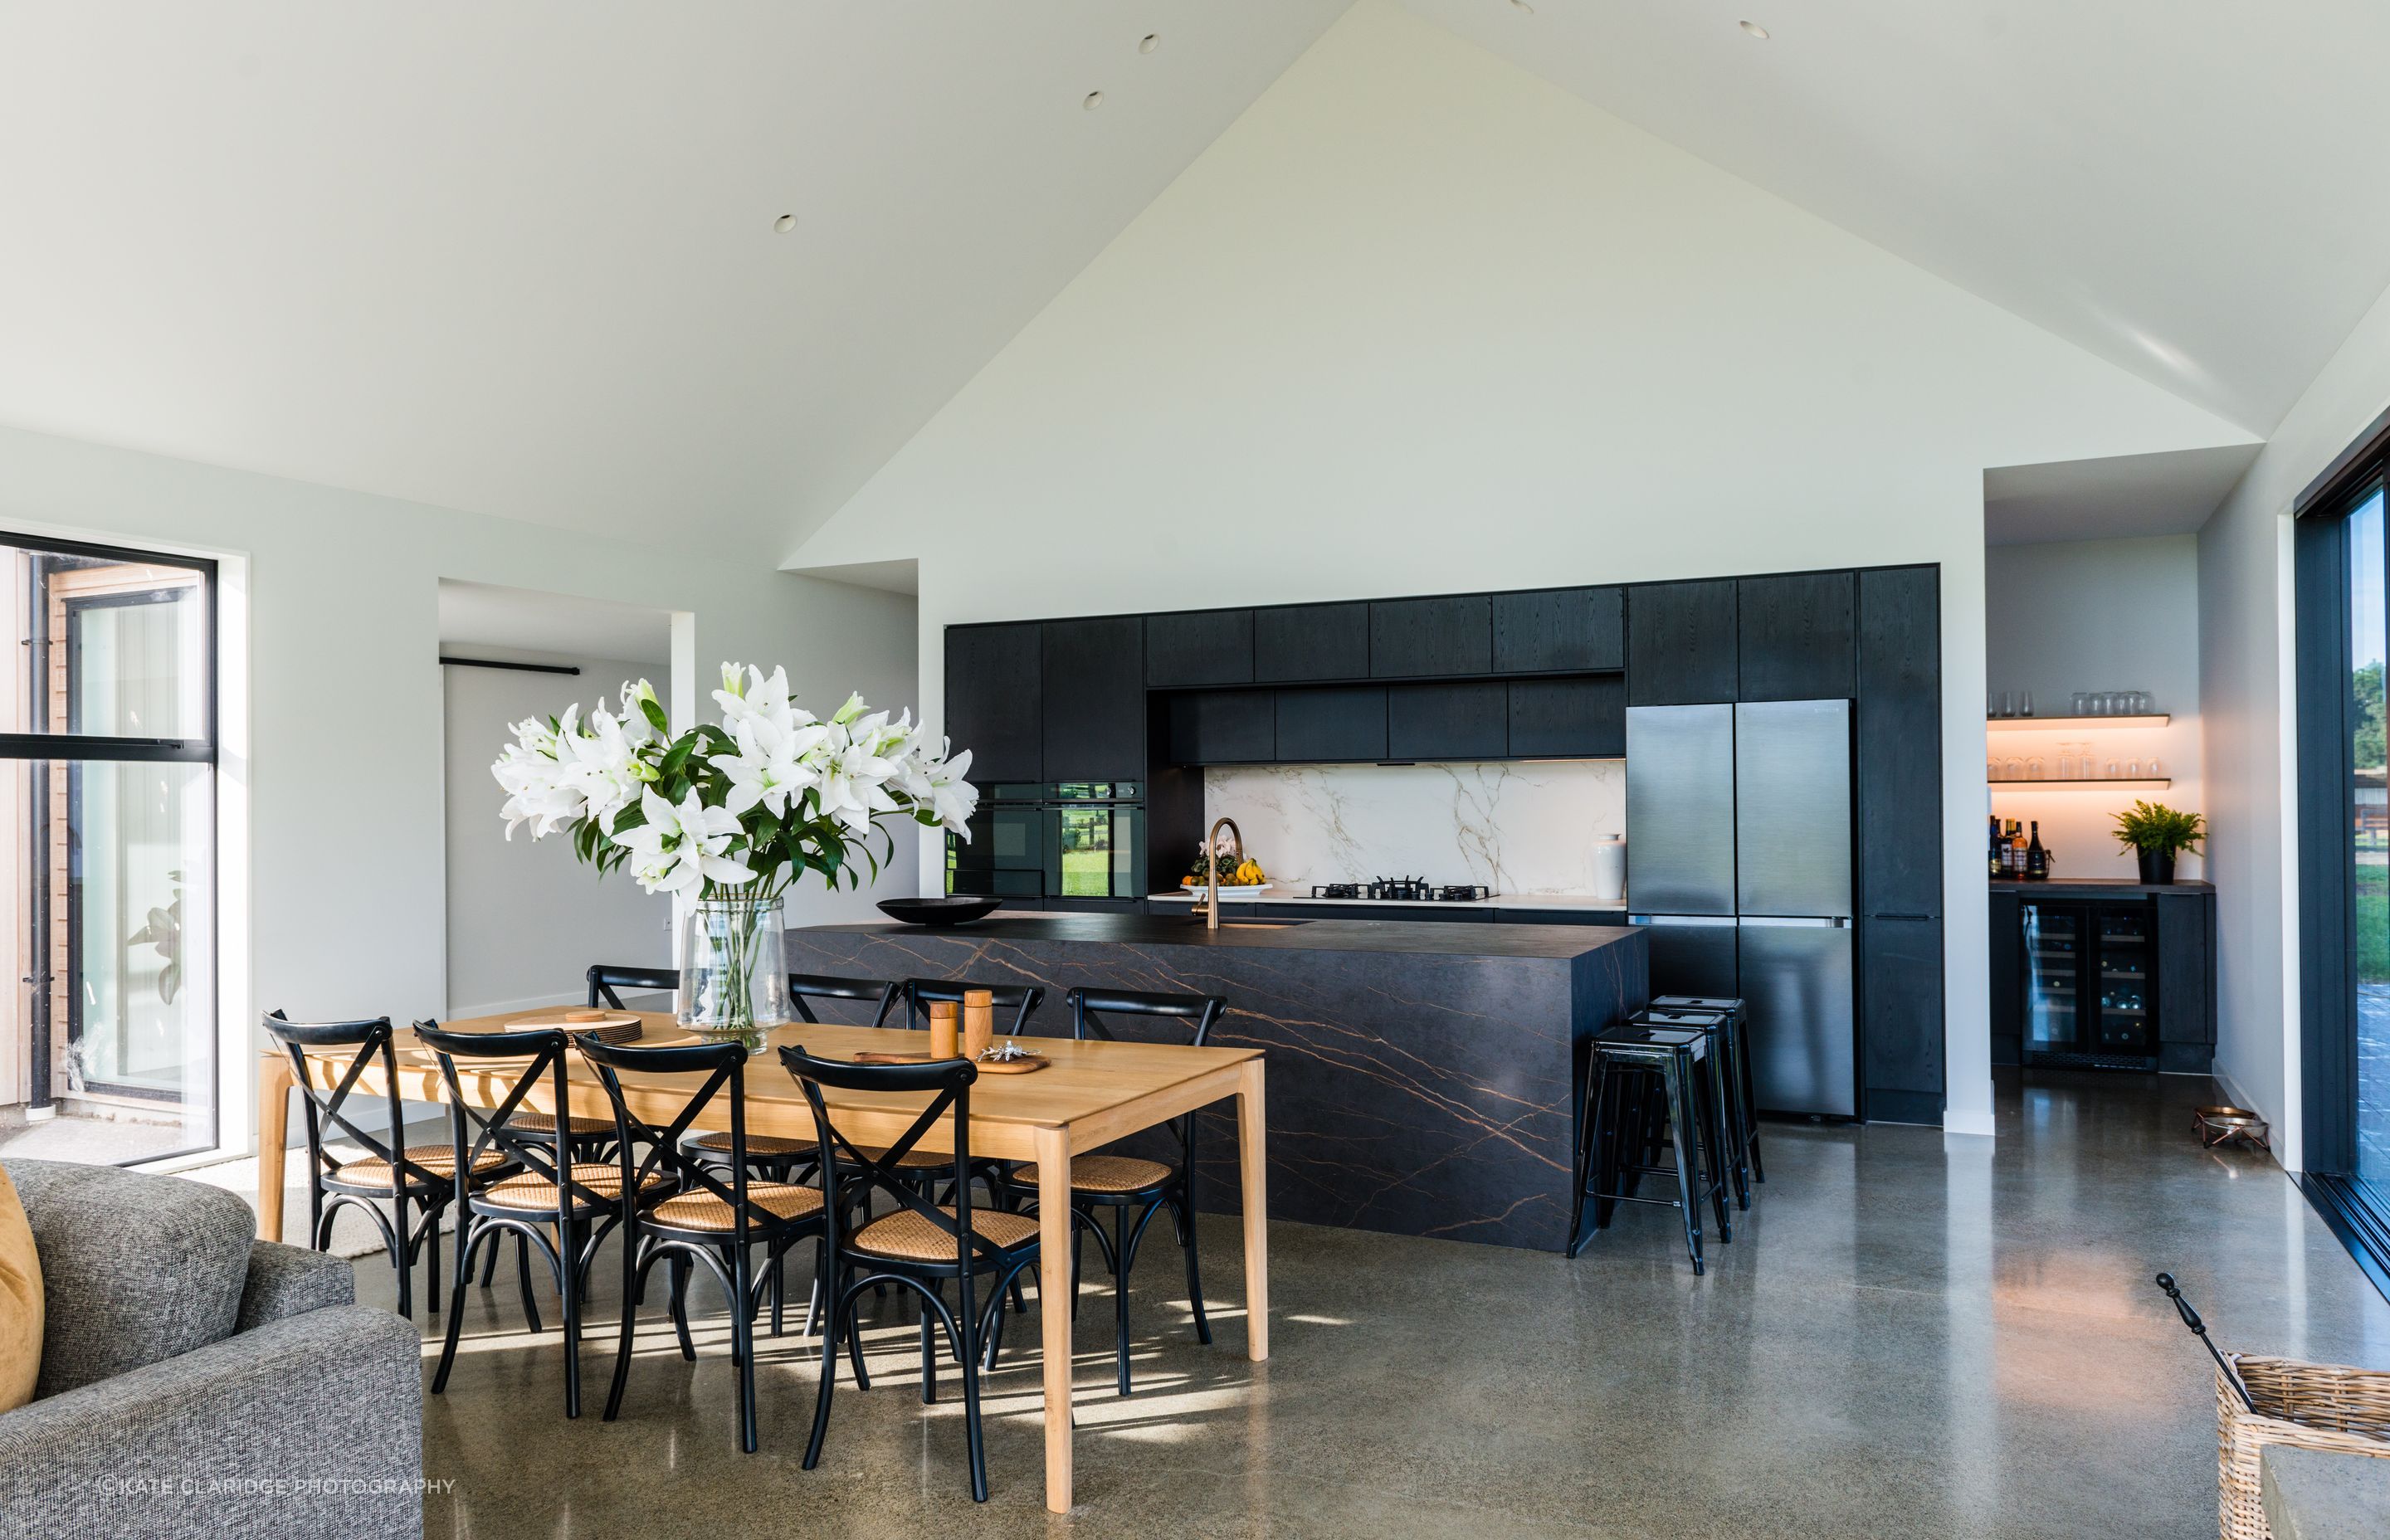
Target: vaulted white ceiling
2189,188
521,258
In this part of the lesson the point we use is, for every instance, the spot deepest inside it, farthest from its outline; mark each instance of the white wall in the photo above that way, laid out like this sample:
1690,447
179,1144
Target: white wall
2245,659
2089,615
343,762
525,917
1421,323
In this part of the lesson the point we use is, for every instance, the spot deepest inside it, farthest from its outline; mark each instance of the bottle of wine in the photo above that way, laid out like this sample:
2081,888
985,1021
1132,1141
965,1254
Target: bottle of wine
2016,850
2037,863
1998,852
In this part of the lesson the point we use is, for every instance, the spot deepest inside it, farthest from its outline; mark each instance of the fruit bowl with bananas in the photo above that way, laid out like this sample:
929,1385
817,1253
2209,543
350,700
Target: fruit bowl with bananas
1236,873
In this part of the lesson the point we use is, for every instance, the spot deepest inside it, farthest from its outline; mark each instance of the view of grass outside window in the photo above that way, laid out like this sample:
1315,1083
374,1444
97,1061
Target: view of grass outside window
2369,841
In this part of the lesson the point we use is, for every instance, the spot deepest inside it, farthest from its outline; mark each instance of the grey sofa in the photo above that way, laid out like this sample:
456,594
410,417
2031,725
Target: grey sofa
196,1382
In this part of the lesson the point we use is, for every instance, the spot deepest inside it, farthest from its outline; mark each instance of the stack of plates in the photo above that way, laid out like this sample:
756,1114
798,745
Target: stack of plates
612,1027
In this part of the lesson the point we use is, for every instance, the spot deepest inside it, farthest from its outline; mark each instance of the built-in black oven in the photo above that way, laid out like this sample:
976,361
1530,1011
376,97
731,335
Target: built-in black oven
1072,841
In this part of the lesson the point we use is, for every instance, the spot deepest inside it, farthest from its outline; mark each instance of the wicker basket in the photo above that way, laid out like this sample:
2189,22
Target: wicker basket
2323,1406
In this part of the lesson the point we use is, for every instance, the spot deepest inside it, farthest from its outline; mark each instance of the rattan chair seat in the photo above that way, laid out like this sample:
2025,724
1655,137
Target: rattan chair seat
757,1143
703,1211
1107,1174
438,1159
541,1123
906,1235
536,1193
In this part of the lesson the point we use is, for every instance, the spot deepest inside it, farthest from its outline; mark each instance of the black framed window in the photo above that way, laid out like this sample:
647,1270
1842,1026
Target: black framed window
108,845
2343,620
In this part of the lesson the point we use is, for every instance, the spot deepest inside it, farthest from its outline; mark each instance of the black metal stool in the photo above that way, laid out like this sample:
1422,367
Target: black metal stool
1738,1065
1640,1077
1726,1054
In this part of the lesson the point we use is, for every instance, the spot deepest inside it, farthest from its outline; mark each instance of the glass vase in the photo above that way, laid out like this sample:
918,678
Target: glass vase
734,970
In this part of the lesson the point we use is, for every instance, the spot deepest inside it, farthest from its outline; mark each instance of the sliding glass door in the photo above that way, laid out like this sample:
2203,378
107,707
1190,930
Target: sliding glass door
2368,852
108,1042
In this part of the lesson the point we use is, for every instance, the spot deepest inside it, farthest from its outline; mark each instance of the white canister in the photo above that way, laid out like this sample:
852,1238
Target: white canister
1609,868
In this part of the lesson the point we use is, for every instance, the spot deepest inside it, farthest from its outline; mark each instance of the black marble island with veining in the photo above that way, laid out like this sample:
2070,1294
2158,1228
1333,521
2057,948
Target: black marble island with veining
1423,1075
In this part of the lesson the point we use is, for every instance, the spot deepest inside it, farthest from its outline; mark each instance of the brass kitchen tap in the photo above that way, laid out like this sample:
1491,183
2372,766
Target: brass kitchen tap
1211,867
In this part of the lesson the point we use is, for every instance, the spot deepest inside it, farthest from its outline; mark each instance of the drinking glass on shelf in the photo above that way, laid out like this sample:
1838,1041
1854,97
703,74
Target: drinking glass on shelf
2133,769
2025,702
2082,703
2155,772
2066,762
1991,770
2112,771
2015,768
2032,768
2007,704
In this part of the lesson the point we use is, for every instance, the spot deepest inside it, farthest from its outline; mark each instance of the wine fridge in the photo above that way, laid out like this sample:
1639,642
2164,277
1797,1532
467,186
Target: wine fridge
2090,988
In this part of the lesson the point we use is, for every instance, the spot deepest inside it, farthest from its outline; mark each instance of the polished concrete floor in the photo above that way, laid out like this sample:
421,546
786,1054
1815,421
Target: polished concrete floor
1905,1338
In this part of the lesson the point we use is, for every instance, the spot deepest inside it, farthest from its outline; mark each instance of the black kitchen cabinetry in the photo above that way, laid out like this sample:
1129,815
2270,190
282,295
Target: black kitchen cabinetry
1325,724
1559,631
1224,727
1900,995
995,686
1899,741
1094,706
1795,636
2007,978
1569,718
1297,642
2186,966
1203,646
1507,916
1681,642
1421,638
1447,722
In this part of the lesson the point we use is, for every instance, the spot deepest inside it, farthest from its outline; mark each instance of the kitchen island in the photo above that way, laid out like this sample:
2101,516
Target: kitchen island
1423,1075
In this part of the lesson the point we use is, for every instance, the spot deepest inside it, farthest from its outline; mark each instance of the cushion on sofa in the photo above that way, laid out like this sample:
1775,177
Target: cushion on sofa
20,1301
135,1269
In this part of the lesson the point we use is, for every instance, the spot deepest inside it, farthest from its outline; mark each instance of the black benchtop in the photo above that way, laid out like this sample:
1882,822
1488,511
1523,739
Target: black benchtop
1441,938
2099,887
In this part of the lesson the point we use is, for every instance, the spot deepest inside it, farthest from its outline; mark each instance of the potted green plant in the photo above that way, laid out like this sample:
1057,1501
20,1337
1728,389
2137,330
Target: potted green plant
2156,834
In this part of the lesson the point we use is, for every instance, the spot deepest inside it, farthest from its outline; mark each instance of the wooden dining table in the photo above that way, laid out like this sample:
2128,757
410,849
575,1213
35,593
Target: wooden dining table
1090,1094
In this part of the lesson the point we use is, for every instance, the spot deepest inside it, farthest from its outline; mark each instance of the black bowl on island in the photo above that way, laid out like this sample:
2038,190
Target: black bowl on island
955,910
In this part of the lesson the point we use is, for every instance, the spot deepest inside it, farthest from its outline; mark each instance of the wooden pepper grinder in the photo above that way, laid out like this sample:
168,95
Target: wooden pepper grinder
979,1022
943,1031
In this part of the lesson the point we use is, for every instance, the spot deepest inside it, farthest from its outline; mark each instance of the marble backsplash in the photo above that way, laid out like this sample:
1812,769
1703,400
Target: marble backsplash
1516,827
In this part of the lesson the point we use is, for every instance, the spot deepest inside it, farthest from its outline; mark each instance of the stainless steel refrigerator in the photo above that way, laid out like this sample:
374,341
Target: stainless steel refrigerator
1739,867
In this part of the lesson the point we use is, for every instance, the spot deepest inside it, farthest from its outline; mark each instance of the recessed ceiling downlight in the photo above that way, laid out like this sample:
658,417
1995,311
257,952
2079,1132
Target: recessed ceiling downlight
1755,29
1094,99
1148,43
785,224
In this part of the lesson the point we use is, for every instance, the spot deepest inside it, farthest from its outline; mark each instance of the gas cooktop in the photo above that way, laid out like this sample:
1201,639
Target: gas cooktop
1404,890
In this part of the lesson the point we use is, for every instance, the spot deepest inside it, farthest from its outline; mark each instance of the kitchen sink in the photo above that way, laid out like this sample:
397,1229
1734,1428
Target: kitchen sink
1252,924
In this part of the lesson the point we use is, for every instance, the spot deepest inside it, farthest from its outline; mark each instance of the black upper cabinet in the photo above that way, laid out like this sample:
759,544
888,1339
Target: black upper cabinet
1899,744
1423,639
1568,718
1796,636
994,689
1447,722
1681,644
1311,641
1559,631
1095,699
1204,647
1316,726
1224,727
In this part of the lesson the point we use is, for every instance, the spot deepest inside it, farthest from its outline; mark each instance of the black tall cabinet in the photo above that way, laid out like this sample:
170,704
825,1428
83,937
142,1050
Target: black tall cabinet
995,700
1896,615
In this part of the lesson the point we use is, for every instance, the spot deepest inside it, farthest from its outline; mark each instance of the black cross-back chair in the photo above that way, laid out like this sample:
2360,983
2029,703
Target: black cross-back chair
604,978
917,1247
1133,1187
582,1200
421,1178
708,1220
1021,1000
776,1159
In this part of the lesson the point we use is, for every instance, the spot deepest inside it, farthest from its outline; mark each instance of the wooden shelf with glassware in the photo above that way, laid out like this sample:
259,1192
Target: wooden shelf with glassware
2129,783
2155,719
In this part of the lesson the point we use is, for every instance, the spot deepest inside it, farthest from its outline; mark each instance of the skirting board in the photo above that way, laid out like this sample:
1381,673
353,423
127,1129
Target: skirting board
1978,1124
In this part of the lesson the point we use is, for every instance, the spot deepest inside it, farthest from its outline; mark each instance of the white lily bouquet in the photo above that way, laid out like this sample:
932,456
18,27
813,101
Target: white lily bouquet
727,817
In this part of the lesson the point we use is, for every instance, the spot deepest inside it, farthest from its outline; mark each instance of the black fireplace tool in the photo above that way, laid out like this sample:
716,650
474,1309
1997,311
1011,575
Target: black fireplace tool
2198,1330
